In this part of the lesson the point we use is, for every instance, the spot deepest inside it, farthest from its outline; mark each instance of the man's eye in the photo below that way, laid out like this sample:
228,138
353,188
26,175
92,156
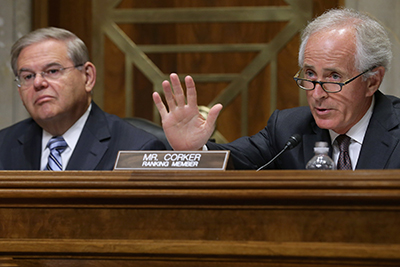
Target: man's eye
335,77
27,76
52,72
309,74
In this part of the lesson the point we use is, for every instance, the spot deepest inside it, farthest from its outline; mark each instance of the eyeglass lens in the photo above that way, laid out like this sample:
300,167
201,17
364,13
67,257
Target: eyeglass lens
308,85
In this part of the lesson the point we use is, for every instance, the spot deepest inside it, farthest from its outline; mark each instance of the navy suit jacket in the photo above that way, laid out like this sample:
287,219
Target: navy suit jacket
102,137
380,149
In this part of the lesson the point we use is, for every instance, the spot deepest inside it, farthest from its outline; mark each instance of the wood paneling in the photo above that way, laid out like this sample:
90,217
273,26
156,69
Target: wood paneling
73,15
227,218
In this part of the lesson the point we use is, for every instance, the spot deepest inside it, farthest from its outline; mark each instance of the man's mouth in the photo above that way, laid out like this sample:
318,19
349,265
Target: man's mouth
43,99
322,111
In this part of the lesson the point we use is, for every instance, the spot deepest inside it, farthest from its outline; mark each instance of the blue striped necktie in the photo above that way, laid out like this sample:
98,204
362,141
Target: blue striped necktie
57,145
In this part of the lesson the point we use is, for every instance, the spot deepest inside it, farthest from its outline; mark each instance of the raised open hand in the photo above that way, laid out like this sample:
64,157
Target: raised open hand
184,126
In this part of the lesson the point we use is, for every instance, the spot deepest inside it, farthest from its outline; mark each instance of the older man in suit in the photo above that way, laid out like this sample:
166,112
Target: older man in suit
343,58
67,130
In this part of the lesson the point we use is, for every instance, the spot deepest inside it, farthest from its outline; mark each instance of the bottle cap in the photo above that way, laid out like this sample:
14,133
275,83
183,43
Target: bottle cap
321,144
321,150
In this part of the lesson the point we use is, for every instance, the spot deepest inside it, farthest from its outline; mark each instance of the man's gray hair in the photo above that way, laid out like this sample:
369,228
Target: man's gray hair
373,46
77,50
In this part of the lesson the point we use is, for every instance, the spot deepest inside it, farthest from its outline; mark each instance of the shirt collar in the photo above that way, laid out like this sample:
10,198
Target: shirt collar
72,135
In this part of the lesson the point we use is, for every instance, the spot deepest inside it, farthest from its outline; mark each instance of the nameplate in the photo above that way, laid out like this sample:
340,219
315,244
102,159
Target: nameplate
172,160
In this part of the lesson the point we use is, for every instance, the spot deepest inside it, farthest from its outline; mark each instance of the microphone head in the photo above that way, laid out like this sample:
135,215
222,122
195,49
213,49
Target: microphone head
293,141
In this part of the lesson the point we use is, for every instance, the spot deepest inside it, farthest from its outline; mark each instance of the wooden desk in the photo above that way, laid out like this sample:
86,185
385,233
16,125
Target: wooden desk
232,218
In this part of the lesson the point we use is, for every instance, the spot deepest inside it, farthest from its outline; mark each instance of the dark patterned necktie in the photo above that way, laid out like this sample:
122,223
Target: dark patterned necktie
57,145
344,162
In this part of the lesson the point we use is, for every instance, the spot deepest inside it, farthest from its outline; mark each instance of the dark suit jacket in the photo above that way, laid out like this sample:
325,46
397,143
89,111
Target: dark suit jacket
380,149
102,137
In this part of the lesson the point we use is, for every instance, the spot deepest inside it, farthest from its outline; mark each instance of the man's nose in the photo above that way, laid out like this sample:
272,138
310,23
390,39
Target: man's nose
319,92
39,81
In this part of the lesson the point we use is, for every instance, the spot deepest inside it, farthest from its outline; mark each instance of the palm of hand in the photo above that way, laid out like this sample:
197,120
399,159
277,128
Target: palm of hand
184,126
186,129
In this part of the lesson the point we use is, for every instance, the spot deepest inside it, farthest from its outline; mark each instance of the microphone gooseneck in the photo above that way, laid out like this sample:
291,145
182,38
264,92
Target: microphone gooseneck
293,141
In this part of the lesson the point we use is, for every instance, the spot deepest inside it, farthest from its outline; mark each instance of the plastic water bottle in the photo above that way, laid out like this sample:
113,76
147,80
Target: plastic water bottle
321,160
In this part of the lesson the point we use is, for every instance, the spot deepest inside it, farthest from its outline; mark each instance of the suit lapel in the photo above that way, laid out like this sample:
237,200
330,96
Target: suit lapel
91,146
30,144
378,143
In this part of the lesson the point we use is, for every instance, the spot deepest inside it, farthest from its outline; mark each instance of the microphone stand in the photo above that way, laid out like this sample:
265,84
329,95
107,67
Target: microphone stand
274,158
293,141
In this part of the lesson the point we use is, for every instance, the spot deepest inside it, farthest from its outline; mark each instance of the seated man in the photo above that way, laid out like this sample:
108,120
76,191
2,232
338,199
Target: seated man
343,58
67,130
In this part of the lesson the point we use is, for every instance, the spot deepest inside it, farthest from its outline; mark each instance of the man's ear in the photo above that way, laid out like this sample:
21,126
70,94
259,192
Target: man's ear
90,74
375,81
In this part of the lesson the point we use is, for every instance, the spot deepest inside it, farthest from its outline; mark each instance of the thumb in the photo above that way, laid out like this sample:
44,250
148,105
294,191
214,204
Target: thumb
213,114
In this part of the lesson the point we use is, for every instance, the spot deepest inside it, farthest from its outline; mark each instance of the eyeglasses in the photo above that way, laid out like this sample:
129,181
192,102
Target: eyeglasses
329,87
26,78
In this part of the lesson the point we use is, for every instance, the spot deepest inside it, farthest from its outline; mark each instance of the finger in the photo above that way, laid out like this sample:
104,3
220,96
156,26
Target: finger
191,91
213,115
169,97
159,105
178,91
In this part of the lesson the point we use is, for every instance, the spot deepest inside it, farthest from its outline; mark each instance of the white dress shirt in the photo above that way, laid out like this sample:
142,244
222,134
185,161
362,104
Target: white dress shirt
71,137
357,134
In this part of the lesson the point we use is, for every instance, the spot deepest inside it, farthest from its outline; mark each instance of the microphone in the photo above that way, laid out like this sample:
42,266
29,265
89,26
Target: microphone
293,141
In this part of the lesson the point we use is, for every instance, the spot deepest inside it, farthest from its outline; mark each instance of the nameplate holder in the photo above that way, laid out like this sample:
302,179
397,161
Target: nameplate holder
172,160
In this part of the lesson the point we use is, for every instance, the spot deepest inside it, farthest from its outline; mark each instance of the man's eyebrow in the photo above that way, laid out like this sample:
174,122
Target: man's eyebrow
324,69
24,69
49,65
308,67
53,64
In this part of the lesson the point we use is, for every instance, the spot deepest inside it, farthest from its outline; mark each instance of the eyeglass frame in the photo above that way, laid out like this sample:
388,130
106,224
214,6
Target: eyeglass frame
44,73
341,84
